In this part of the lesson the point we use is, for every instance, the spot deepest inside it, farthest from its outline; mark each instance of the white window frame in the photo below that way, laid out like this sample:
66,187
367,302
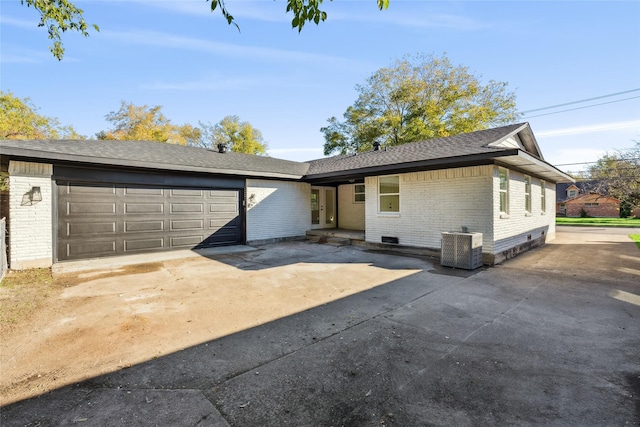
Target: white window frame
527,194
543,196
572,193
359,193
381,194
503,191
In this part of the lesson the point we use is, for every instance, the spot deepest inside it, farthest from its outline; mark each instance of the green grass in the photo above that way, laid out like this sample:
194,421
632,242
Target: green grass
635,238
614,222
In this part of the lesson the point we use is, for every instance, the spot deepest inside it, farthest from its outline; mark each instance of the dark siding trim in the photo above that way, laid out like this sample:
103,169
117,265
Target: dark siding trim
123,176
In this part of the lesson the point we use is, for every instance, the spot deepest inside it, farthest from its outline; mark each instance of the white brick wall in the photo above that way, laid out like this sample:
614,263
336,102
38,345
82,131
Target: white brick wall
31,232
446,200
277,209
516,227
350,214
433,202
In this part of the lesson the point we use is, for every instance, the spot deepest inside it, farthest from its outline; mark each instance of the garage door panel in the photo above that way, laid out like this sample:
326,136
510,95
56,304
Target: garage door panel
138,245
79,208
85,190
137,191
217,223
186,241
189,224
105,220
143,226
144,208
182,192
79,229
187,208
92,249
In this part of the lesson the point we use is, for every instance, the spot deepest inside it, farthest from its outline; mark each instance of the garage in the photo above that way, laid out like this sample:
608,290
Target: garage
102,219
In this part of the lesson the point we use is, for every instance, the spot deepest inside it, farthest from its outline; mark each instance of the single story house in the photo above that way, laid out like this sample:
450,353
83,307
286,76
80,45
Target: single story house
71,200
594,205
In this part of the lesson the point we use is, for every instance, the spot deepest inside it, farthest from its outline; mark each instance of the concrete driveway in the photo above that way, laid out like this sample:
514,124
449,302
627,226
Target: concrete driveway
551,337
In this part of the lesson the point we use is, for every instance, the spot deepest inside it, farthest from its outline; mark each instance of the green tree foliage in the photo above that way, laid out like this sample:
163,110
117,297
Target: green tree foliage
59,16
237,136
19,120
418,98
144,123
303,11
618,174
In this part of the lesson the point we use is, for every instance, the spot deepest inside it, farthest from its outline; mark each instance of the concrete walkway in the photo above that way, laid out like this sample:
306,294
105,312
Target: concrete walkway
549,338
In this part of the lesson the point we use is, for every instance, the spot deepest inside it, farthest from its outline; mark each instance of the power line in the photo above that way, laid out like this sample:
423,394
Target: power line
581,108
581,101
624,159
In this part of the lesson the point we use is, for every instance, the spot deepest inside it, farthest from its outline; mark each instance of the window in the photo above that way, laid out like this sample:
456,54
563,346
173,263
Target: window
543,196
358,193
389,190
591,205
572,193
527,193
504,190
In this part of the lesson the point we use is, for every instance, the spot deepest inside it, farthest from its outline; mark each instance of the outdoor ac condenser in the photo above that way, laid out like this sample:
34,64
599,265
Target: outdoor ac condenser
461,250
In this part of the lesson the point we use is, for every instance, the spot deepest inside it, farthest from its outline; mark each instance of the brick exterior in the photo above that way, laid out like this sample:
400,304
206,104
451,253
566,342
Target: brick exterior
437,201
31,238
277,210
350,213
595,205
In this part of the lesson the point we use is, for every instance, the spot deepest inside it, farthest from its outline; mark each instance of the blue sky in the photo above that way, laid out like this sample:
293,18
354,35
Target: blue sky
178,54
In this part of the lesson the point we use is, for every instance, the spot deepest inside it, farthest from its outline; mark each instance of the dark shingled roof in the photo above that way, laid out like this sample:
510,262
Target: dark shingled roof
153,155
474,143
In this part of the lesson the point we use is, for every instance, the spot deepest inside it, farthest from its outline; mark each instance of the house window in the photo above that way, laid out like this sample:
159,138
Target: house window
389,190
543,196
527,193
591,205
504,190
358,193
572,193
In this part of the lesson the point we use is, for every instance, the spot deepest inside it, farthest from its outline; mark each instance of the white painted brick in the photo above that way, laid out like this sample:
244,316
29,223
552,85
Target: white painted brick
31,235
277,209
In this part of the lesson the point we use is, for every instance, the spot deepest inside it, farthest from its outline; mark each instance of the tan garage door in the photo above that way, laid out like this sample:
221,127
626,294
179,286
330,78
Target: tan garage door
101,219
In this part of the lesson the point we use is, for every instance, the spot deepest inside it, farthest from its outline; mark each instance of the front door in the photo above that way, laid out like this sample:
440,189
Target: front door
323,207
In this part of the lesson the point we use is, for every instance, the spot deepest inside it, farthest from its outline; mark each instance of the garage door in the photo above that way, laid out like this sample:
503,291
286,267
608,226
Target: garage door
97,220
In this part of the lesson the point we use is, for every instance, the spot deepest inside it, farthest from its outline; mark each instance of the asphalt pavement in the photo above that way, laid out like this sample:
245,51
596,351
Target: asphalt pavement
551,337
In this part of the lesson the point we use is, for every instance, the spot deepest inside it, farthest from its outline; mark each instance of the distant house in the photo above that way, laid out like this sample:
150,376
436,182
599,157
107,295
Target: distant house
71,200
593,205
566,191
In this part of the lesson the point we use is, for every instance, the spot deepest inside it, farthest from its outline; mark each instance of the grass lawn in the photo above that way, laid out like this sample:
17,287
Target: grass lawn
614,222
635,238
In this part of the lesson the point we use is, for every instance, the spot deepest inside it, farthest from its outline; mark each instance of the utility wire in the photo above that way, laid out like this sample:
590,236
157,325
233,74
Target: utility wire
581,108
581,101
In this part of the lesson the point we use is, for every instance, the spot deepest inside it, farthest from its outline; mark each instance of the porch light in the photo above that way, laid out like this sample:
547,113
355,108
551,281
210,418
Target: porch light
32,197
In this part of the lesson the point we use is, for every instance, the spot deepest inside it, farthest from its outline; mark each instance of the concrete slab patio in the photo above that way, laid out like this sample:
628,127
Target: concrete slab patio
551,337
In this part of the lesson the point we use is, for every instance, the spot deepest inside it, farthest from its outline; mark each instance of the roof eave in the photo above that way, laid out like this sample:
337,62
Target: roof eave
27,155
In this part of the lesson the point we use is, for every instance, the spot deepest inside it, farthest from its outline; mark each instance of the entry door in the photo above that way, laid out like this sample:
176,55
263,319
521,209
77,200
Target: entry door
323,207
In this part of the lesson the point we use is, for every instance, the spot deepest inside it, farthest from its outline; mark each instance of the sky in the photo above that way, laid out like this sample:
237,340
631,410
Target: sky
180,55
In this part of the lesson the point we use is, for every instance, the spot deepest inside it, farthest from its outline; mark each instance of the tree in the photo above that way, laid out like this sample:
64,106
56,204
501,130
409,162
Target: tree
63,15
618,174
59,16
19,120
144,123
418,98
239,137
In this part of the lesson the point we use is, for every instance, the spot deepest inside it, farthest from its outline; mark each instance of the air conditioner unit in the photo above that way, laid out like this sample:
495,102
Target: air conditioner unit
461,250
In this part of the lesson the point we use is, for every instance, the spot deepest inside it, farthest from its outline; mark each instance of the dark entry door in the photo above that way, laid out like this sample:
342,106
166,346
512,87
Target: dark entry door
102,219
